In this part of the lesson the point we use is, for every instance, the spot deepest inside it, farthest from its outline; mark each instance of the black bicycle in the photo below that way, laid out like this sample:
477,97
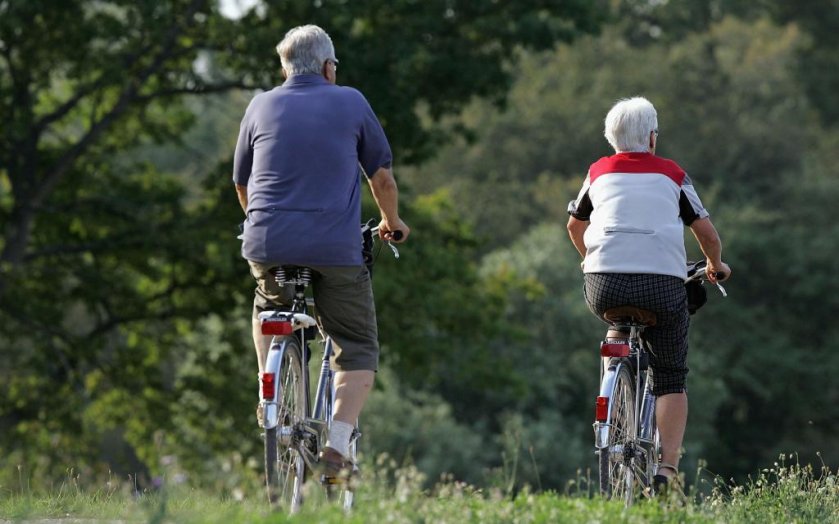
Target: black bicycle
295,423
625,432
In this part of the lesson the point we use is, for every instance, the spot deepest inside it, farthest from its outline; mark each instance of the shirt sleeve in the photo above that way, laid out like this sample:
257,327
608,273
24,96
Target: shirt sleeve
373,148
690,206
243,157
581,208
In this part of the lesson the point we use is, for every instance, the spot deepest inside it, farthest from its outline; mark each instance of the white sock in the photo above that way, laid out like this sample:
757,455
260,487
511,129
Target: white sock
339,437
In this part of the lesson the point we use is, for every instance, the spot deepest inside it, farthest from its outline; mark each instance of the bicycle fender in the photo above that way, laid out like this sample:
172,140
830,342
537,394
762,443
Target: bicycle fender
298,320
607,389
271,412
301,320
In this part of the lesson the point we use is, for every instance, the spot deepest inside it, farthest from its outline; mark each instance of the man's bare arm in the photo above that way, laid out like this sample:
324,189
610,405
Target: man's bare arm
386,194
242,193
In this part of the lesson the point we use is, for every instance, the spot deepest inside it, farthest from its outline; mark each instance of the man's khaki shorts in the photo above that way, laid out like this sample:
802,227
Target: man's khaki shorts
345,307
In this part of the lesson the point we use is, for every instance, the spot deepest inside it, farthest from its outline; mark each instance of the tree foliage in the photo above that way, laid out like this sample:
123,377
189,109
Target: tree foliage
124,302
733,113
112,256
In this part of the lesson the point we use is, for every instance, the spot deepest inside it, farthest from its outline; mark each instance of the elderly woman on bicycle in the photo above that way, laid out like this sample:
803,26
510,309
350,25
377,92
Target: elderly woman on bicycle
627,223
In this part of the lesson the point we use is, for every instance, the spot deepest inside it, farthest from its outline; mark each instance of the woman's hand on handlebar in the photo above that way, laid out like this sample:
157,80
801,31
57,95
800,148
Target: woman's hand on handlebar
394,230
717,272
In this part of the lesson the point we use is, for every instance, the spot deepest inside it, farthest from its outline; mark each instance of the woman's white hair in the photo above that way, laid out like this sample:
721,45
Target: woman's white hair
304,49
629,123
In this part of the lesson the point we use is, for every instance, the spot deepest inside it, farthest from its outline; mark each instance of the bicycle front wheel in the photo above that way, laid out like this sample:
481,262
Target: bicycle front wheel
348,495
618,461
651,440
285,469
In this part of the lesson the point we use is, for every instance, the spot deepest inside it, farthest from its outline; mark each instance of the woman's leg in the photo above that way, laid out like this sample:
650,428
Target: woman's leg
671,413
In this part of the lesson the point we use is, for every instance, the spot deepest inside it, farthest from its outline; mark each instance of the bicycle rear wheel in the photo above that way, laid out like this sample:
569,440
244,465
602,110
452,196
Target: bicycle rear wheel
285,469
618,462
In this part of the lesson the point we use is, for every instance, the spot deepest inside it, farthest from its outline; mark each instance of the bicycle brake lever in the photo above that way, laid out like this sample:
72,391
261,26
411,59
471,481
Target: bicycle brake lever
722,289
393,248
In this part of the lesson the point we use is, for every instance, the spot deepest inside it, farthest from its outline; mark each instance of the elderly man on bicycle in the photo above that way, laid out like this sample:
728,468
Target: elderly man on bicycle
301,150
627,223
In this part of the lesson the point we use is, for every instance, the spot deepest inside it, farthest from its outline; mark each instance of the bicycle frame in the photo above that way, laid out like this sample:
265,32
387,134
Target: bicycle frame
305,434
289,324
302,431
318,411
324,403
637,452
644,411
626,436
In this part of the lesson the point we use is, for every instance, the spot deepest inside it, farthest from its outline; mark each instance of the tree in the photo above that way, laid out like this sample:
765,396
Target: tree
106,259
720,96
817,65
732,113
74,93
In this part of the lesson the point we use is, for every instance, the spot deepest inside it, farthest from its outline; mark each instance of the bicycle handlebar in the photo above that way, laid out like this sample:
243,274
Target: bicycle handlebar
696,271
394,235
369,230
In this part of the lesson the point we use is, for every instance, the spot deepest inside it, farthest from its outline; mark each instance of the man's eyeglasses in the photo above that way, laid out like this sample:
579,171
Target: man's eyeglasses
333,61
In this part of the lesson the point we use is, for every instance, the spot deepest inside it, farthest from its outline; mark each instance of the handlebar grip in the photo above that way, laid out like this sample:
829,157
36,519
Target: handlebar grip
396,235
720,275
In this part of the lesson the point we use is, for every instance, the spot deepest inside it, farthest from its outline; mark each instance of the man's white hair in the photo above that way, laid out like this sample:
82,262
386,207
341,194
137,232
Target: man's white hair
304,50
629,123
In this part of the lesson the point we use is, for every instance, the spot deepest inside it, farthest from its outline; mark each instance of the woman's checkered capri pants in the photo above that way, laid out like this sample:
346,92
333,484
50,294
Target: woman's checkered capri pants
665,296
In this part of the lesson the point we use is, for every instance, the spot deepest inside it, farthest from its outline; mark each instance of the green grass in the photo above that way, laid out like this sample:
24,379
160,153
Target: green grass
783,494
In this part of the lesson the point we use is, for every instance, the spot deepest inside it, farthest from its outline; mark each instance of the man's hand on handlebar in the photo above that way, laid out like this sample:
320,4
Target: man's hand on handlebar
394,231
717,272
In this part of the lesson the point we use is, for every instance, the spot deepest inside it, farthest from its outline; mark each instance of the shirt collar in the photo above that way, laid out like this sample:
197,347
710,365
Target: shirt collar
295,80
634,153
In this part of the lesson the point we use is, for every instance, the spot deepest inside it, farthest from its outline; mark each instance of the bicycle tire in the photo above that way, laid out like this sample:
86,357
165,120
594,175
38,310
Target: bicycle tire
618,465
285,468
651,457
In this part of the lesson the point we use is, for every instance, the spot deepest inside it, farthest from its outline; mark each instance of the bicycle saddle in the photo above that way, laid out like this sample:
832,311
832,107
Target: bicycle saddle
626,315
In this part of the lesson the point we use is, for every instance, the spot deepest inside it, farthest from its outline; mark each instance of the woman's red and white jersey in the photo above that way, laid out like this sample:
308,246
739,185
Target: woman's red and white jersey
638,205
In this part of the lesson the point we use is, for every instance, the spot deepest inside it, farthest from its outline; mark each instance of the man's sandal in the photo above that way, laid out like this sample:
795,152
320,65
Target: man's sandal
661,483
335,468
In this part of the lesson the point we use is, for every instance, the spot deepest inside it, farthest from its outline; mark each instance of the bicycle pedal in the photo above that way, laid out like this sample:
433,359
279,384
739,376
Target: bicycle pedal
332,481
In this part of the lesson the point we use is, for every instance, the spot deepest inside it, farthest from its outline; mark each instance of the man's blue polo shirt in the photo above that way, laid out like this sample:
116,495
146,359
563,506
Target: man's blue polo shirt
299,151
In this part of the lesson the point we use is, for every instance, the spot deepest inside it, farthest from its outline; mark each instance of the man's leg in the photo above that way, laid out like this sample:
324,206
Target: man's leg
351,390
344,298
260,342
671,412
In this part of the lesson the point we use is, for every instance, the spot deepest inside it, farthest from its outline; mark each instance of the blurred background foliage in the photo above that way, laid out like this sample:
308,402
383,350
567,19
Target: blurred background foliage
124,304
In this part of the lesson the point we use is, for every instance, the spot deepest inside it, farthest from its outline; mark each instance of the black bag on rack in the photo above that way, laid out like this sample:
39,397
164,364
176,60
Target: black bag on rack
697,296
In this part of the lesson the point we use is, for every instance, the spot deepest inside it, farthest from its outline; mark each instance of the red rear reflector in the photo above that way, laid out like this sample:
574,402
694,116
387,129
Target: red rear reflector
614,350
268,386
276,327
601,409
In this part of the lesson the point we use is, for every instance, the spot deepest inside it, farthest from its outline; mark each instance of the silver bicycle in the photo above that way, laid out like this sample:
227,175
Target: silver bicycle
625,432
296,423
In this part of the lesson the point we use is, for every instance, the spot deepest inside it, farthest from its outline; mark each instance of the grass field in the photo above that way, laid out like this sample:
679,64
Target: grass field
783,494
